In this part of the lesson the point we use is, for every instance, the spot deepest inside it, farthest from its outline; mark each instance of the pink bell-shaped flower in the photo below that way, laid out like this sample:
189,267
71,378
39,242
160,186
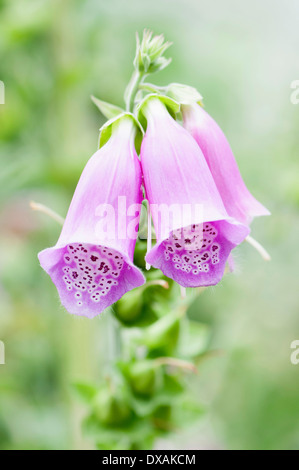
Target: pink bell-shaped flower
92,262
195,235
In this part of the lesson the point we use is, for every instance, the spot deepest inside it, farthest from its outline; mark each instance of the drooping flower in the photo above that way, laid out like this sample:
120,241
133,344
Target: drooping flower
238,201
92,262
197,235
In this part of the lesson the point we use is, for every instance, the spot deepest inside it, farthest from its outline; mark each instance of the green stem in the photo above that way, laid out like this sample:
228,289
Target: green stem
132,89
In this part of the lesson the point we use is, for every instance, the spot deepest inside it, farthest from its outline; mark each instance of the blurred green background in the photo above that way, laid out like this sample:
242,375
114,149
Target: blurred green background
242,57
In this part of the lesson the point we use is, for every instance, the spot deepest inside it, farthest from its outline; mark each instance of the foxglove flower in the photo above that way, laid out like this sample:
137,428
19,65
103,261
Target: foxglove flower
238,201
192,246
92,268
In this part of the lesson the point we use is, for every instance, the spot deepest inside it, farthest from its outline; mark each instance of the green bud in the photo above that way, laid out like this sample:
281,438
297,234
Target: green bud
129,307
149,53
163,412
111,407
144,377
145,61
139,253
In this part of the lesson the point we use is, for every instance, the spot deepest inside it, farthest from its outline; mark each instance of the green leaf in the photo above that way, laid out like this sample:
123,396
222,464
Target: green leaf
109,110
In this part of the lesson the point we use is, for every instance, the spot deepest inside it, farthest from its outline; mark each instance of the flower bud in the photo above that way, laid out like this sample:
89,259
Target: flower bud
139,254
111,407
144,377
129,307
149,53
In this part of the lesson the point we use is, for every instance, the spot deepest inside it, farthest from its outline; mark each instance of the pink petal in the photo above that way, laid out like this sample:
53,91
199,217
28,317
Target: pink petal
238,201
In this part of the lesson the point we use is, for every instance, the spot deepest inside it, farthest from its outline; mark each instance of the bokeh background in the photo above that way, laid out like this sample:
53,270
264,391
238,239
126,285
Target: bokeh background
242,56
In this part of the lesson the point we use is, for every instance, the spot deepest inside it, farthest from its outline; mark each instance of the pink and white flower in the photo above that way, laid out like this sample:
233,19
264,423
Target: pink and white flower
191,248
89,270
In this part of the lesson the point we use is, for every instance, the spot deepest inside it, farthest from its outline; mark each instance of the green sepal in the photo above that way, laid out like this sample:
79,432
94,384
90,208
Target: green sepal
109,110
106,129
183,94
159,65
172,106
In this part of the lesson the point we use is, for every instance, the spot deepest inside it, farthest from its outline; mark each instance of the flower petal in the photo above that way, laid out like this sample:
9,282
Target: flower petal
238,201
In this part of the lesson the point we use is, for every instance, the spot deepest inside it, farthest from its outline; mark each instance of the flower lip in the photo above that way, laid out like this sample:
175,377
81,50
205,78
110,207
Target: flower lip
89,277
196,255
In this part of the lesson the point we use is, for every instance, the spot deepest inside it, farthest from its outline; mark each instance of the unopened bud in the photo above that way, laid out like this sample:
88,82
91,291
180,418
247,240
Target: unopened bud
111,407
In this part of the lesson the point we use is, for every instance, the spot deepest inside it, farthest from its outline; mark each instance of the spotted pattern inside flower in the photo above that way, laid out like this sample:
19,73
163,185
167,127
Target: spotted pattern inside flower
193,249
90,271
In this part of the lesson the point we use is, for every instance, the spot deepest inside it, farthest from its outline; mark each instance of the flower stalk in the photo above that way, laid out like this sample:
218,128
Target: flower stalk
132,90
